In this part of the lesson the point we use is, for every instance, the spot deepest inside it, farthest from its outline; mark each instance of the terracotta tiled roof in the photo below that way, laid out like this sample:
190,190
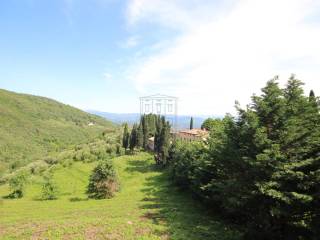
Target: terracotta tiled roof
195,132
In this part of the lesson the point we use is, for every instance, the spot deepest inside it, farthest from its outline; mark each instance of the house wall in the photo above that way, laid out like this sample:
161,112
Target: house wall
151,144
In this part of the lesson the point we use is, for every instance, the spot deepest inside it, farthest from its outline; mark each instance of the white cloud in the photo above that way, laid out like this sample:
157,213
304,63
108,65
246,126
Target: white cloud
107,76
130,42
227,56
176,14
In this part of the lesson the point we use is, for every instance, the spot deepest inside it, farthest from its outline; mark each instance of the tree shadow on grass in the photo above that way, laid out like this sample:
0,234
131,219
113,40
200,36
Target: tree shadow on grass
78,199
184,217
140,166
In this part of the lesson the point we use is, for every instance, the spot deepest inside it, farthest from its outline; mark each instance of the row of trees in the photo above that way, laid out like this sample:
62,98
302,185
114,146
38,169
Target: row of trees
261,168
150,125
140,133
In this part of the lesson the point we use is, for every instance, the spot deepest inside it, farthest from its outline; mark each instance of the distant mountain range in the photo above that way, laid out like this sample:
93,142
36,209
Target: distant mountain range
130,118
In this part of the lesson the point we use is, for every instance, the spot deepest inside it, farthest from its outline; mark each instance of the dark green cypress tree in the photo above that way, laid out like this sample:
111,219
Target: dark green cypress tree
139,136
311,94
162,141
165,141
313,99
133,138
191,123
157,135
145,129
125,137
151,119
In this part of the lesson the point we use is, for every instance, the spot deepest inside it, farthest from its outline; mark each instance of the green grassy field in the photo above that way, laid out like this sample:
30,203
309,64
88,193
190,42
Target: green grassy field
146,207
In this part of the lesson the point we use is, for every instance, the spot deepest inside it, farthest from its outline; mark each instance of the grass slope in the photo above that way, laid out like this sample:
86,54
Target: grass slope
31,127
147,207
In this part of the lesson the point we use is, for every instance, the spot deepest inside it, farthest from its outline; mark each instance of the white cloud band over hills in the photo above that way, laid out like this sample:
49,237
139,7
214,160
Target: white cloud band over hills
226,50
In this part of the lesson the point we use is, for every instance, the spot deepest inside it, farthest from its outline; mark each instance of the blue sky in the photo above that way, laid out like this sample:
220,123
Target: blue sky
104,54
62,49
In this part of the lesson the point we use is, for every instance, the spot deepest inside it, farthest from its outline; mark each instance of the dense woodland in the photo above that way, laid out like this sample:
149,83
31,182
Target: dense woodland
260,169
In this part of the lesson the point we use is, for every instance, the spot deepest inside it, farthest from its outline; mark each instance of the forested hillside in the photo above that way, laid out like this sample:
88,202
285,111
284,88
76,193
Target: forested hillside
32,126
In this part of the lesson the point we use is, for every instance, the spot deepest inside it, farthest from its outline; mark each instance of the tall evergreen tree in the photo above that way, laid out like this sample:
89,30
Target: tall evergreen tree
133,138
191,123
157,134
313,99
151,122
165,142
139,136
145,129
103,181
311,94
125,137
162,141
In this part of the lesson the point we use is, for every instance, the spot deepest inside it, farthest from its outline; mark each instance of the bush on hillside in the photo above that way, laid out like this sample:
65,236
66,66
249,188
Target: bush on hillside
17,184
98,150
51,160
14,165
49,188
37,167
103,182
67,163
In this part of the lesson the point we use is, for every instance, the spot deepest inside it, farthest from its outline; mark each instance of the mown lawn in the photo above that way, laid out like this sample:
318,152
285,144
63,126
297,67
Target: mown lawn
147,207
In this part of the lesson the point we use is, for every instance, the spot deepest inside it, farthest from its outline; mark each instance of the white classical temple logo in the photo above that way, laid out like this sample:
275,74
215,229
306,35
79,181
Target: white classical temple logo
161,105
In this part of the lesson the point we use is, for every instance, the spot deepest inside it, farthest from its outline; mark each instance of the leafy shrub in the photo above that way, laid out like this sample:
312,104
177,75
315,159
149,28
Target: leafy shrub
109,149
67,163
86,155
103,182
14,165
49,188
184,159
37,167
17,184
51,160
